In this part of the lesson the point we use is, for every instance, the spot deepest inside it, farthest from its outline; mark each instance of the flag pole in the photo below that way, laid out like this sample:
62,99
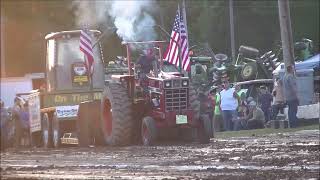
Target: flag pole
90,78
184,16
179,47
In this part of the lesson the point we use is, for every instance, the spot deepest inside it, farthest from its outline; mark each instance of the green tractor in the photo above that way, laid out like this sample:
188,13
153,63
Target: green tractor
55,107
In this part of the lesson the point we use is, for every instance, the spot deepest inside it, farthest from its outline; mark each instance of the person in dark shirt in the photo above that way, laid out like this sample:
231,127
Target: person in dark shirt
265,99
146,62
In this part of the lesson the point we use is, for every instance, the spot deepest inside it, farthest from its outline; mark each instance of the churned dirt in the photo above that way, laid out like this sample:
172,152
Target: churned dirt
275,156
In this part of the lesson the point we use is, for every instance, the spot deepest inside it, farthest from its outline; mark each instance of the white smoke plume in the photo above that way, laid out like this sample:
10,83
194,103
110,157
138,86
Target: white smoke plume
131,18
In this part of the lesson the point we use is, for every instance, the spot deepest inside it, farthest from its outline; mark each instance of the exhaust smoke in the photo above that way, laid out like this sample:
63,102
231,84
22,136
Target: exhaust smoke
131,19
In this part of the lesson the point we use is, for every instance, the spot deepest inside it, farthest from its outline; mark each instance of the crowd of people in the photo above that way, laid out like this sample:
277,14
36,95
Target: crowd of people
233,111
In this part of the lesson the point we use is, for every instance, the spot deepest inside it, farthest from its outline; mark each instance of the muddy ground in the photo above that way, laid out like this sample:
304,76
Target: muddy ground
275,156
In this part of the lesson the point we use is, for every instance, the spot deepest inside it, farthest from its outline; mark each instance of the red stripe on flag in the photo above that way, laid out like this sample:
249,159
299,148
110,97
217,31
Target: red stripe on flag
169,49
86,47
172,53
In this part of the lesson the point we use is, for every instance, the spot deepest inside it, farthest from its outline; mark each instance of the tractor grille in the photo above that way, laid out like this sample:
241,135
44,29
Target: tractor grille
176,99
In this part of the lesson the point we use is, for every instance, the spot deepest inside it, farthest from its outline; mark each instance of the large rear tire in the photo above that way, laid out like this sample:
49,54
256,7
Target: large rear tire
148,131
194,102
208,128
204,124
116,113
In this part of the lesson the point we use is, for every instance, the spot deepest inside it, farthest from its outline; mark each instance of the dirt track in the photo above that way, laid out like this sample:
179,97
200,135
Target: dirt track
276,156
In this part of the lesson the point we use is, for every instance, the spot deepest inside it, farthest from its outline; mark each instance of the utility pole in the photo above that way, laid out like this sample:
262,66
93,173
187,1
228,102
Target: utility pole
184,14
233,50
286,33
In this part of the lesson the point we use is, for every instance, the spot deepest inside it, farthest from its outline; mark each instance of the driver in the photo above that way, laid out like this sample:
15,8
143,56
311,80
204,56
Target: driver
145,62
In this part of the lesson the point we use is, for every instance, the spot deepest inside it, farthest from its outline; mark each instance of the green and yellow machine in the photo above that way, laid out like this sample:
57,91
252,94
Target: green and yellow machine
54,107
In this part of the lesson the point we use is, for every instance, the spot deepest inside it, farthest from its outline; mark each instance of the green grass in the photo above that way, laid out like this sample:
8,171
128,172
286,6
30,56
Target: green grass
259,132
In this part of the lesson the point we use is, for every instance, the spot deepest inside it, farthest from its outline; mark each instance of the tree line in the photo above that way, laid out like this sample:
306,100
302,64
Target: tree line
256,23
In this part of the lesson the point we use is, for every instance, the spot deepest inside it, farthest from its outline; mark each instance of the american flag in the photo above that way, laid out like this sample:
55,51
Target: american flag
86,48
179,35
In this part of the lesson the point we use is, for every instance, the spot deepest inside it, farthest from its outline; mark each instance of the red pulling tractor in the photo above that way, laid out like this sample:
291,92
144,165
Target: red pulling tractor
167,106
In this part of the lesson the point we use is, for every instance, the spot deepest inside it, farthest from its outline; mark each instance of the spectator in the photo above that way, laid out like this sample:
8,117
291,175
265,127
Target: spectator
20,116
256,117
291,96
228,105
265,100
217,118
24,124
4,117
278,102
241,121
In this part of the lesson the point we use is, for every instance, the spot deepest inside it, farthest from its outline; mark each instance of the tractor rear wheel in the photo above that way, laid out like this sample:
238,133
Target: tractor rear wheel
202,132
148,131
194,102
116,113
205,131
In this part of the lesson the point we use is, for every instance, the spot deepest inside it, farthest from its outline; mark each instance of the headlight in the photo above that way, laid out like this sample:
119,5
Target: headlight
167,84
185,83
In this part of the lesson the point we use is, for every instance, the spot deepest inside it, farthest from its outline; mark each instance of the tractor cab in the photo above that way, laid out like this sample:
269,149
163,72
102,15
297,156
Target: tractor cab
66,67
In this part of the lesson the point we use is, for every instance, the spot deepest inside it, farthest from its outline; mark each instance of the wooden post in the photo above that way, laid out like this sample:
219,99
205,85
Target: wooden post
286,33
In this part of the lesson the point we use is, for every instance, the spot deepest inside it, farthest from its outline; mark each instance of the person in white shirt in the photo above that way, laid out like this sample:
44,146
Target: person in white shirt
228,104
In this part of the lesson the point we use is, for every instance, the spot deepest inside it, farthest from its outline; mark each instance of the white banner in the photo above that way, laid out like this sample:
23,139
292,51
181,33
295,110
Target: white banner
67,111
34,112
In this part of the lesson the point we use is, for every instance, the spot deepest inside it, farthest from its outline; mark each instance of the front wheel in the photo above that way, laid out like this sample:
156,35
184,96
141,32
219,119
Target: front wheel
55,131
46,131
